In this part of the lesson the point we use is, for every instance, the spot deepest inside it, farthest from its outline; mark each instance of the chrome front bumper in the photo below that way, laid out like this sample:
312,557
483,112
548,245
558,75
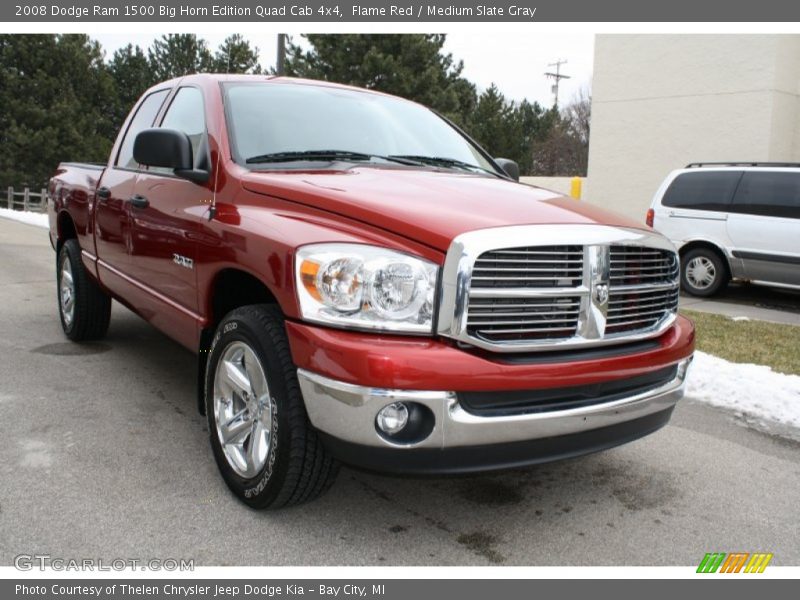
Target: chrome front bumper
347,412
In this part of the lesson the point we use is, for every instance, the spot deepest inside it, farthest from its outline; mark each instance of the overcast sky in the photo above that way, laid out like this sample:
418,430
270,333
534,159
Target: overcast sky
515,62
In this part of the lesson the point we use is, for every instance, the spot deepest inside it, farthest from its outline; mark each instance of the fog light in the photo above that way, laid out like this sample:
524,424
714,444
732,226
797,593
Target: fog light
392,418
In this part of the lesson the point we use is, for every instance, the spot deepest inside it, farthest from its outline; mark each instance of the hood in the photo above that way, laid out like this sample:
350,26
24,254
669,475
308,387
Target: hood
427,206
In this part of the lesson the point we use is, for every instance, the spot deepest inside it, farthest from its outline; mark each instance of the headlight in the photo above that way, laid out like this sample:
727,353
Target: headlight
366,286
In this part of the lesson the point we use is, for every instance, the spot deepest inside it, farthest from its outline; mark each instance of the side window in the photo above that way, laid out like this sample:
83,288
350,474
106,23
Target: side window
769,193
186,113
144,118
703,190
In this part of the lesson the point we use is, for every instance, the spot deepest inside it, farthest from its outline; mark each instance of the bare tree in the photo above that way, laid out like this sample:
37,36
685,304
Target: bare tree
565,149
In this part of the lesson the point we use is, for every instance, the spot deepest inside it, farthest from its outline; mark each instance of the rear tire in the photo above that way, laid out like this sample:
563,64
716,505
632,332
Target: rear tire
84,309
267,451
703,272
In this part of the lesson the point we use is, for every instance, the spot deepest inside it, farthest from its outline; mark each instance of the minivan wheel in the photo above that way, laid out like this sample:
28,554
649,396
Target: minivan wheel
267,451
84,309
703,273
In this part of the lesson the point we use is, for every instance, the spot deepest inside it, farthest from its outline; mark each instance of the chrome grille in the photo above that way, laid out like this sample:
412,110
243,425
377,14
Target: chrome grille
616,285
642,287
634,265
537,266
509,319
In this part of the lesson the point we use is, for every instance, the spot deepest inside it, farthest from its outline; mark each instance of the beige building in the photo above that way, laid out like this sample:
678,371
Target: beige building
662,101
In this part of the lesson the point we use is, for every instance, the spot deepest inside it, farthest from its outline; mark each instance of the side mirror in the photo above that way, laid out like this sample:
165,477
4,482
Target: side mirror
168,148
509,166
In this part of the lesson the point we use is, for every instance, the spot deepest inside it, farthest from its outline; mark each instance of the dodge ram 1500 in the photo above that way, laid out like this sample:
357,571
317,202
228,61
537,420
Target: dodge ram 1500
362,282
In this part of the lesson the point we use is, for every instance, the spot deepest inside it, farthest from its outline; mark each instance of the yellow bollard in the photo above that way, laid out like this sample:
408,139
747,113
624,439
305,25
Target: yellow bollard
575,188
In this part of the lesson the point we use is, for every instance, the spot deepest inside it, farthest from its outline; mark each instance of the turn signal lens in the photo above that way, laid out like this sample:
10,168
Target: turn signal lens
308,277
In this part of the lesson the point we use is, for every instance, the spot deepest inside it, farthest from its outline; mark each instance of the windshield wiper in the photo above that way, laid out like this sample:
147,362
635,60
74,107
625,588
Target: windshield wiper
308,155
441,161
325,155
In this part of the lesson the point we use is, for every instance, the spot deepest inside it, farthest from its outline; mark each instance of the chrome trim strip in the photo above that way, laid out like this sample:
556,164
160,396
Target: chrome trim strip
595,239
150,291
347,412
528,292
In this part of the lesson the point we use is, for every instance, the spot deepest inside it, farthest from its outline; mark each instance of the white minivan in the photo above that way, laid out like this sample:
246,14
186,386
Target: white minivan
732,221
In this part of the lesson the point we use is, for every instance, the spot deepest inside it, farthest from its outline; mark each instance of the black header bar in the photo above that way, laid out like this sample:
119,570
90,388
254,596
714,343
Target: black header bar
409,11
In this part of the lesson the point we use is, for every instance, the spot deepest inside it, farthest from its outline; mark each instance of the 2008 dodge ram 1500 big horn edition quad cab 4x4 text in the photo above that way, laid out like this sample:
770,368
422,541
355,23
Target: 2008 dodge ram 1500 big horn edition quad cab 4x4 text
363,283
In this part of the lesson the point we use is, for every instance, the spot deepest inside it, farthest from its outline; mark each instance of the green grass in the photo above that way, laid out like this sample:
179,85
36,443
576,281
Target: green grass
758,342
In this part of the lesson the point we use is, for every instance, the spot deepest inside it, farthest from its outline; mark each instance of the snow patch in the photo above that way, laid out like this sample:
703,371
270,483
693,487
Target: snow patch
752,391
29,218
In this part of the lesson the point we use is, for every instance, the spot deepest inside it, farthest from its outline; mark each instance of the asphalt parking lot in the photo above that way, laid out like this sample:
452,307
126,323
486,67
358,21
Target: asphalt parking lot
104,455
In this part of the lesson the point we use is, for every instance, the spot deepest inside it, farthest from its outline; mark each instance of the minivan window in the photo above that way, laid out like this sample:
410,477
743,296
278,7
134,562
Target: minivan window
144,118
768,193
274,118
702,190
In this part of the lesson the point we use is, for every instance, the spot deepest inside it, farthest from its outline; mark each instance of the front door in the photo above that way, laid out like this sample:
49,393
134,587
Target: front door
166,215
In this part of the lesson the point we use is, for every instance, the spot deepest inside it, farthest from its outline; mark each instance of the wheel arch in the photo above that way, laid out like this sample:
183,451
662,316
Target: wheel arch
714,247
65,229
229,289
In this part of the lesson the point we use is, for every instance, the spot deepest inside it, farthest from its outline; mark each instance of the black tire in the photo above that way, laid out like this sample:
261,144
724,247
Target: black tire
91,306
715,268
298,468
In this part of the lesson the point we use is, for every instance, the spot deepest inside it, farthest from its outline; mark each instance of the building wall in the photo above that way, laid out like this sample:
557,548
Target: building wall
662,101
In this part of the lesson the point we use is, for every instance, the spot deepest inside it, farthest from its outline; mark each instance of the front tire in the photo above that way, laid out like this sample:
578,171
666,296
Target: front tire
84,309
703,272
265,447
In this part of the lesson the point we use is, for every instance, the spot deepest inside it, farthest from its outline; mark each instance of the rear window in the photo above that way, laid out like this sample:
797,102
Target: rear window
703,190
768,193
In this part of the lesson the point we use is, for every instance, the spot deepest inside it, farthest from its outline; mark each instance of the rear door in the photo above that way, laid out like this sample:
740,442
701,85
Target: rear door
764,226
112,225
695,205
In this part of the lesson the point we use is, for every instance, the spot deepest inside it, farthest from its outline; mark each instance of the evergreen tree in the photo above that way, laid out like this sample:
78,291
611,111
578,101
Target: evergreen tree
493,125
132,75
56,103
507,129
235,55
179,54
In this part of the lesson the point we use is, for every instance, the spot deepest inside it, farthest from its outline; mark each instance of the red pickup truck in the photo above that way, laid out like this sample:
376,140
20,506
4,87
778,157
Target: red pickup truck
363,283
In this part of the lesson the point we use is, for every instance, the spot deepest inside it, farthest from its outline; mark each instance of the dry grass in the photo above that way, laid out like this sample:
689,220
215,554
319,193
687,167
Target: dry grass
759,342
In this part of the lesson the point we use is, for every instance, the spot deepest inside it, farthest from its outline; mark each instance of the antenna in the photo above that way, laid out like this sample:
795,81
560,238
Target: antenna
557,76
212,210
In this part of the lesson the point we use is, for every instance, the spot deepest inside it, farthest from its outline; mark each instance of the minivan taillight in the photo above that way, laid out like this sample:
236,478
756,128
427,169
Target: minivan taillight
649,218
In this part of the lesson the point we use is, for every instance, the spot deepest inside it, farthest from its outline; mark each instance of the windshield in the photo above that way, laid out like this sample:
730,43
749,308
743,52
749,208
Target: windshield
272,119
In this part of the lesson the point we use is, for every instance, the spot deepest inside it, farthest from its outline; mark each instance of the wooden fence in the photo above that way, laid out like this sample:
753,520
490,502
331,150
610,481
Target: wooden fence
26,200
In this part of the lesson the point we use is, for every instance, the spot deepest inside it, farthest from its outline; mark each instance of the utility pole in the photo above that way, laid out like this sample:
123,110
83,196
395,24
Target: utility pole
280,68
557,76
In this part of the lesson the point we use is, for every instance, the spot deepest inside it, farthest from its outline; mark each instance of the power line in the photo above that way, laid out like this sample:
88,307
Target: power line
557,76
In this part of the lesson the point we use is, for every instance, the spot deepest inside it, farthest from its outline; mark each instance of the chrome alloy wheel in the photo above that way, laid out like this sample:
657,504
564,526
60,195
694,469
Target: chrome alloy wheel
701,272
242,409
66,292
